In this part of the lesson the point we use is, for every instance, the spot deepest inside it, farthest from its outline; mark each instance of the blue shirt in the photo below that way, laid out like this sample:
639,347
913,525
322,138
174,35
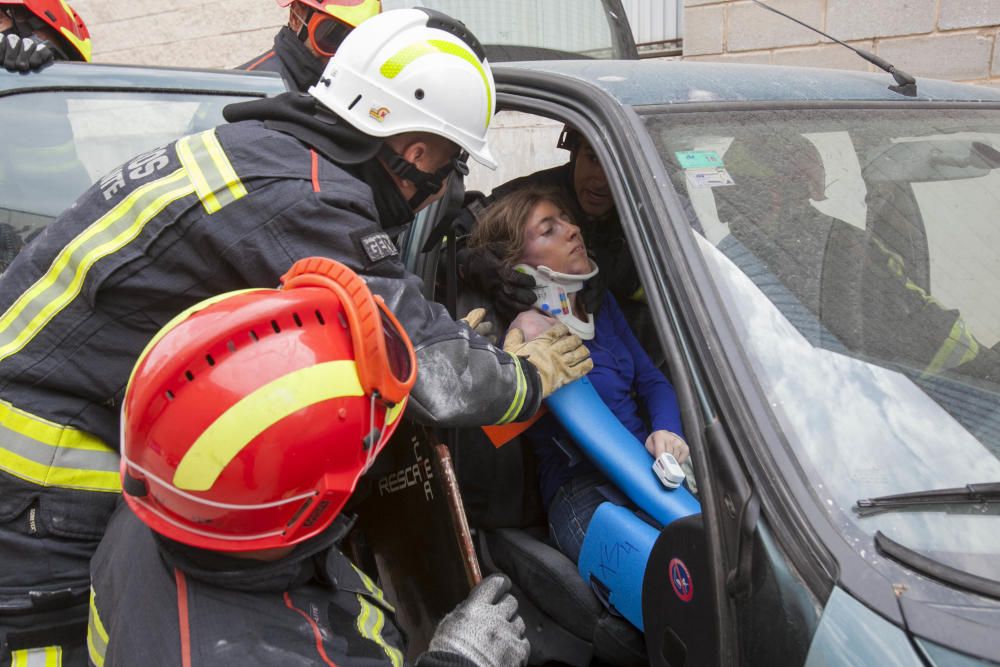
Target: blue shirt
630,385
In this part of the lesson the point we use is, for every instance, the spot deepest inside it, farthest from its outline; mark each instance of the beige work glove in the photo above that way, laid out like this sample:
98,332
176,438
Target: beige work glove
559,356
476,319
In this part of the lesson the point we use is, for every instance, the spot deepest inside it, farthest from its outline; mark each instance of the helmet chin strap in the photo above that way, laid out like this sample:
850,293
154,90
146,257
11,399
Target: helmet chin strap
552,290
427,184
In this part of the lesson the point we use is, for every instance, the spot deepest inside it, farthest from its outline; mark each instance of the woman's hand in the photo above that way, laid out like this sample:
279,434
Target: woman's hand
533,323
667,441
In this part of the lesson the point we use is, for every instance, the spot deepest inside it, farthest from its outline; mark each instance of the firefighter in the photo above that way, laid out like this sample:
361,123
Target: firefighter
231,208
33,33
315,29
247,423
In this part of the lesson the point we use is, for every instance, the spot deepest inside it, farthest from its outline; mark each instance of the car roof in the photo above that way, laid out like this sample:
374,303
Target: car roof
648,82
130,77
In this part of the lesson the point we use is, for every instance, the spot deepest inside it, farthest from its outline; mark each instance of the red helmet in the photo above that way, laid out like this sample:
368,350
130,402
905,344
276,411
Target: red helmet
326,34
58,16
250,417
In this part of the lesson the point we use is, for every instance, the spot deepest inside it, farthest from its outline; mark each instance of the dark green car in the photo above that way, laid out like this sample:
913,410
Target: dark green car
820,256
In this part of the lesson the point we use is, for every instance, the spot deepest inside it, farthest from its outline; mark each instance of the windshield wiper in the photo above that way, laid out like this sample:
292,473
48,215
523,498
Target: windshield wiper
935,569
970,494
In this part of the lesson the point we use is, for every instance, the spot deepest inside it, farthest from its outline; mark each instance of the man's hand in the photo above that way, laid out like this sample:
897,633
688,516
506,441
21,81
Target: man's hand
486,628
511,291
667,441
559,356
19,54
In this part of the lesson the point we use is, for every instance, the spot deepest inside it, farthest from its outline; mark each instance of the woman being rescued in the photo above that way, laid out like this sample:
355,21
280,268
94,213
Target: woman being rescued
532,231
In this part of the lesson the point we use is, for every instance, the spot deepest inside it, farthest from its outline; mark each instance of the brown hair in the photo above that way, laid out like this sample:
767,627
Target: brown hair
501,227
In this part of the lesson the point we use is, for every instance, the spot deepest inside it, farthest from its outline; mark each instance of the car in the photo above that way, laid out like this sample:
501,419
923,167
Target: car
70,125
817,253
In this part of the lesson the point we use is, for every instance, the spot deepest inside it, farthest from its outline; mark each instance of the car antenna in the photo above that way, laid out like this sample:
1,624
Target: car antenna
907,85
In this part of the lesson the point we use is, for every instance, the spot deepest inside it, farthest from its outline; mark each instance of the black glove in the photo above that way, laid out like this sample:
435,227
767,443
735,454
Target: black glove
486,628
25,54
510,291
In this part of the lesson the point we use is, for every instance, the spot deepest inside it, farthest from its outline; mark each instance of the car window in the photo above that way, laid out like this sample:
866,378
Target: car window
858,252
528,30
56,144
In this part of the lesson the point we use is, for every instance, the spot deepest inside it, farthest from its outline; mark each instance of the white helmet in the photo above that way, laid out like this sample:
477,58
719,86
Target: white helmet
413,70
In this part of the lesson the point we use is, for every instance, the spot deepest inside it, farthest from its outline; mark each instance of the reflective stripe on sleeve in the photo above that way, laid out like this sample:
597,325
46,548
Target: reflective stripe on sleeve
63,281
371,620
97,636
959,348
215,180
47,454
520,393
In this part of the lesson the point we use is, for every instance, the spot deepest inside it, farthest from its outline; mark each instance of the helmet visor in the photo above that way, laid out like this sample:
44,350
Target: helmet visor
397,351
326,33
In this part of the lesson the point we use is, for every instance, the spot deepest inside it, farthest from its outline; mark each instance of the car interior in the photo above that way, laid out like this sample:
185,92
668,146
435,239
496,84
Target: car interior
565,618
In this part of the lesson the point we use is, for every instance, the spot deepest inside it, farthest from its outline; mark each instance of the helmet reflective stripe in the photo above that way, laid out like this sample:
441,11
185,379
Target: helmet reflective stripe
399,60
353,15
219,444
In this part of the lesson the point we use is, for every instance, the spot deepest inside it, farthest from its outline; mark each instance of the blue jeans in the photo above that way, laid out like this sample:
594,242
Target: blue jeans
572,508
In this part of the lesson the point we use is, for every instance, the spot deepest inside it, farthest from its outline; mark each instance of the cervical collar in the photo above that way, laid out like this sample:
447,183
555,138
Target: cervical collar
552,290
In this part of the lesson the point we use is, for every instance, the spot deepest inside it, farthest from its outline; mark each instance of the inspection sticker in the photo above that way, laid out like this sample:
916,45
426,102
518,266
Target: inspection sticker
708,177
698,159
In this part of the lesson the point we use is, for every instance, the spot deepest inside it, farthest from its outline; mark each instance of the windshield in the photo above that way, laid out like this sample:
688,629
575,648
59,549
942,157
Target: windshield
56,144
531,30
858,252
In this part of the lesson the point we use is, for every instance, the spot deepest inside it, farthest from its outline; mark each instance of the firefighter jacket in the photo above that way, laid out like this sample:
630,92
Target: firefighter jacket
290,58
154,601
227,209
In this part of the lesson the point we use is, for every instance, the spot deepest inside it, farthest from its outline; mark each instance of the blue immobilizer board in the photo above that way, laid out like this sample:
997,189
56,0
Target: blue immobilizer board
618,543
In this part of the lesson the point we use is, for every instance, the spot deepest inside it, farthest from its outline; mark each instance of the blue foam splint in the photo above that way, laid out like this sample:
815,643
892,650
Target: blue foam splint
614,556
617,453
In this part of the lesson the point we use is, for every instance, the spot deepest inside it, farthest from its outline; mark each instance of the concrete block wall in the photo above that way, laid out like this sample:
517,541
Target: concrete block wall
943,39
180,33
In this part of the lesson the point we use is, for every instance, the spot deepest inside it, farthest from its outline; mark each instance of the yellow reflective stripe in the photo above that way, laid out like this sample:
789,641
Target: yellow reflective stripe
250,416
224,166
45,656
57,159
394,413
63,281
398,61
82,44
371,620
41,452
372,588
353,15
638,295
213,175
520,393
959,348
97,636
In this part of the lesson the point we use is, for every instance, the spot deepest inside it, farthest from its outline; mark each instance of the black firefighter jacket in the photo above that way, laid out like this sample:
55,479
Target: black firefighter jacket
226,209
156,602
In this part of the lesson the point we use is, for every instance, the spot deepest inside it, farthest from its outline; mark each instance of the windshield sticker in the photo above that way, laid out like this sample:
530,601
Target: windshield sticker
708,177
698,159
680,580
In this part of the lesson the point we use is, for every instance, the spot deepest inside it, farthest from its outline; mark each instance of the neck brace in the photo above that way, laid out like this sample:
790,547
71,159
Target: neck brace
552,290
